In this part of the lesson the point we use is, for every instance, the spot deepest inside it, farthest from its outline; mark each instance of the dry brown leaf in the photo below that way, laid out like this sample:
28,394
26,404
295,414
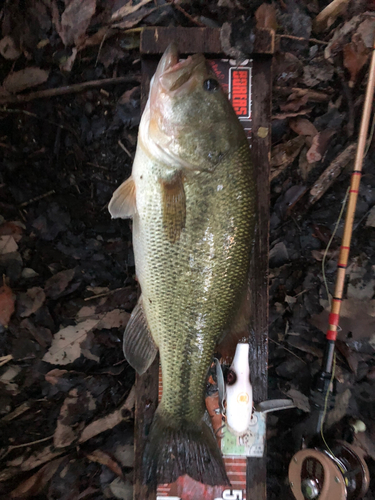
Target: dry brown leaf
356,55
69,424
294,103
265,16
57,284
6,305
75,20
8,48
284,154
328,16
111,420
25,79
28,303
128,9
54,376
35,484
7,244
303,126
12,228
319,145
67,343
102,458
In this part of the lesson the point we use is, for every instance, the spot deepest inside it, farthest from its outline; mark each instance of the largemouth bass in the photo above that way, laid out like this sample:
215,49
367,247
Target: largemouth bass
192,199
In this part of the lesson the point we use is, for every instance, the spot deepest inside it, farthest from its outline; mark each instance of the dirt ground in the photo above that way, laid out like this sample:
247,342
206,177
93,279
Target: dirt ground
68,276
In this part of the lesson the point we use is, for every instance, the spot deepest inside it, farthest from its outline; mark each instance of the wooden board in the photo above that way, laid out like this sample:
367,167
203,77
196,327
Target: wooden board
207,40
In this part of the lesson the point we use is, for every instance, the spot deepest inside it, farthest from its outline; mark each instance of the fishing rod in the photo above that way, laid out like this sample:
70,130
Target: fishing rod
337,471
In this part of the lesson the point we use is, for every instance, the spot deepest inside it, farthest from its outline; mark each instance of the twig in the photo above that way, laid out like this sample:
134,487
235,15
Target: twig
331,173
124,148
24,445
186,14
283,347
102,294
313,95
300,39
5,359
37,198
69,89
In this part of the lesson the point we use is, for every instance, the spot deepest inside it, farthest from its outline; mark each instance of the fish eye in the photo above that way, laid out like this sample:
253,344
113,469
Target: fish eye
231,377
210,84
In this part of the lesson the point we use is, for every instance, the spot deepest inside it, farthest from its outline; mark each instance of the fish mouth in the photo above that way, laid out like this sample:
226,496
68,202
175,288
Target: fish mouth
172,73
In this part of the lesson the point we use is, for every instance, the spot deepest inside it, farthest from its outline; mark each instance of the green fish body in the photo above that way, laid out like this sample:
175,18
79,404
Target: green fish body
192,199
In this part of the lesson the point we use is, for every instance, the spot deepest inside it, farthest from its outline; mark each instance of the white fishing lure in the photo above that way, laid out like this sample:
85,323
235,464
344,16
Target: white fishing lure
239,392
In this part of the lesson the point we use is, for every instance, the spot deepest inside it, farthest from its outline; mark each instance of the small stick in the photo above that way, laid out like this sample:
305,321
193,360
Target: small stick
300,39
331,173
186,14
69,89
100,295
37,198
124,148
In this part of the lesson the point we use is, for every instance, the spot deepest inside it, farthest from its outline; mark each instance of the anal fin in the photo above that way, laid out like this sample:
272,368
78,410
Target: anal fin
122,204
138,345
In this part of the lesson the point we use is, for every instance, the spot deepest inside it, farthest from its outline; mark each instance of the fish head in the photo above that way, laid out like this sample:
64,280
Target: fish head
188,121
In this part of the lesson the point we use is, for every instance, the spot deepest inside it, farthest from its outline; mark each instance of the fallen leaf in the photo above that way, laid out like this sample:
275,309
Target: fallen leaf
7,378
319,70
40,333
6,305
36,483
25,79
124,490
128,9
13,228
284,154
300,400
70,422
67,343
329,14
57,284
103,458
340,409
8,48
54,376
113,319
265,16
319,145
125,412
303,126
7,244
356,55
28,303
370,221
294,104
75,20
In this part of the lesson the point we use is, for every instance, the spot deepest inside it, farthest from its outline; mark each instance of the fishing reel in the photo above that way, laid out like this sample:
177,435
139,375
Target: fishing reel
338,472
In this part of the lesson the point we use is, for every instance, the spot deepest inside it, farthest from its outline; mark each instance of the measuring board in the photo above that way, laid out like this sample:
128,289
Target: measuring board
249,89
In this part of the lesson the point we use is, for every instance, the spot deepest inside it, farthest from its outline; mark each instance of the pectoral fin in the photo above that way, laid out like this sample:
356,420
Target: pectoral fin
139,348
174,207
122,204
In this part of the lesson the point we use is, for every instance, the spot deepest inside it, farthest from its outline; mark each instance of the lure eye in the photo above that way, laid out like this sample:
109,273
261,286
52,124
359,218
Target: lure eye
231,377
211,85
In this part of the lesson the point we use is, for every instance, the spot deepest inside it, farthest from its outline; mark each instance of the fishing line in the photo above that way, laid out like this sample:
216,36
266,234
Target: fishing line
329,244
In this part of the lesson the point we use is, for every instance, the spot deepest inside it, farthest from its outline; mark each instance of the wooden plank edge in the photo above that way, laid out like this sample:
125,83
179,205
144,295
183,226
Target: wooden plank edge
154,40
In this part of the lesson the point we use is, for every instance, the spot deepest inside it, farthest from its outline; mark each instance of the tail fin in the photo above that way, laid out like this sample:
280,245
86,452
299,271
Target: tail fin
175,450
